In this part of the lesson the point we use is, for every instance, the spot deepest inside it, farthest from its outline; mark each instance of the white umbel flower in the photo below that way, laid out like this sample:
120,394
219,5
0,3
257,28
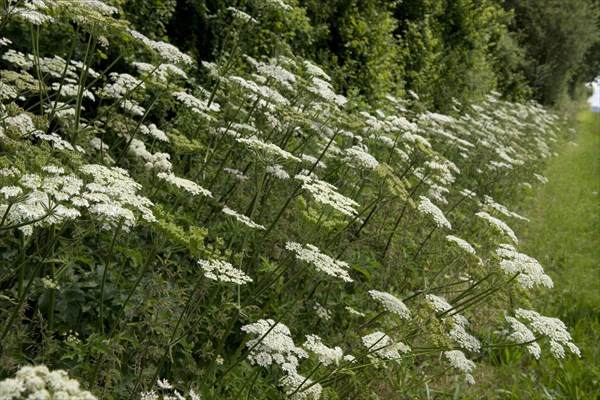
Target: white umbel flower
268,148
297,387
312,255
272,343
461,243
360,158
553,328
326,193
391,303
383,346
427,207
38,382
222,271
521,334
326,355
530,271
499,225
458,360
185,184
242,218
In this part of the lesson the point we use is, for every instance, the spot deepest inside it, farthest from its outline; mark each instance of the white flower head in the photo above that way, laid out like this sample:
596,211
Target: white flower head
185,184
322,262
529,269
391,303
272,343
427,207
326,193
458,360
222,271
553,329
381,345
242,218
498,225
326,355
461,243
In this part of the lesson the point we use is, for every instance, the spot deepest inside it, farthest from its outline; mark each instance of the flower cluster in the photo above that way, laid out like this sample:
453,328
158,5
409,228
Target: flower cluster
553,329
323,263
499,225
242,218
521,334
427,207
185,184
269,149
391,303
458,360
38,382
382,346
222,271
461,243
529,269
326,193
326,355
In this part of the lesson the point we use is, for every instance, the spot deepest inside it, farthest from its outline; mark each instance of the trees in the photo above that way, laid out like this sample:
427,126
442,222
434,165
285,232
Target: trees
556,35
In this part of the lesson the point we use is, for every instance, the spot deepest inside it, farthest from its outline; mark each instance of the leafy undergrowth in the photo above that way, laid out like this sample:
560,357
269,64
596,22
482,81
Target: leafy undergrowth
564,234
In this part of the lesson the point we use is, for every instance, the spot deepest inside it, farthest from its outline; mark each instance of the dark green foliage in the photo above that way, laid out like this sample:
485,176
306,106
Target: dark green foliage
556,34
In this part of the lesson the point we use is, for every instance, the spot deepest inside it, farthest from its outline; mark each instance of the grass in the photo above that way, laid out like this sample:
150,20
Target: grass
564,235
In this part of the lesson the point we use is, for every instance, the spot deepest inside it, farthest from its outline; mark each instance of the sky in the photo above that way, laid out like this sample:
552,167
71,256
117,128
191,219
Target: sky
595,99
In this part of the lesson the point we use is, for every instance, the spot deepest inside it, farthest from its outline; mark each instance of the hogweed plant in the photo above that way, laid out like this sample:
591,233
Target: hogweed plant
248,233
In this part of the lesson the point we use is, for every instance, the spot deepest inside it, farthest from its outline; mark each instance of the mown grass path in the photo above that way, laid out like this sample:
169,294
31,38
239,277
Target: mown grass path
564,235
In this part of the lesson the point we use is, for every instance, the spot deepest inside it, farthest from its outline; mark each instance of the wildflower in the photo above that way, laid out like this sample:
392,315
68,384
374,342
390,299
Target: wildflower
242,218
11,191
326,355
164,384
157,160
463,244
122,84
359,157
489,201
460,335
268,148
326,193
529,269
383,346
391,303
165,50
194,104
152,130
354,311
427,207
38,382
272,344
323,263
322,312
521,334
553,328
187,185
325,90
457,359
222,271
112,192
242,16
314,70
236,173
50,283
264,92
278,172
297,387
499,225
